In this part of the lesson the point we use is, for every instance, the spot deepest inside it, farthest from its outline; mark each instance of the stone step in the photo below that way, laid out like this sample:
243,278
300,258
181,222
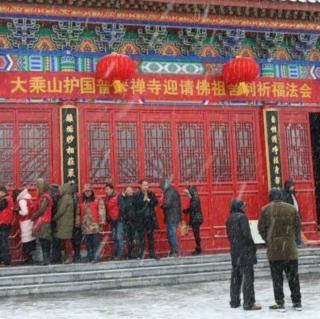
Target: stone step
133,282
36,269
105,271
134,273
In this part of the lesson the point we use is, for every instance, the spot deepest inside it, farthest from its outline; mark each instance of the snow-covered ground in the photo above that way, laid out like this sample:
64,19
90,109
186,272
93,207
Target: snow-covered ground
207,301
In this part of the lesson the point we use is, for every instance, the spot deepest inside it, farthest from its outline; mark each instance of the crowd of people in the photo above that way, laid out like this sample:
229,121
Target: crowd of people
61,219
279,225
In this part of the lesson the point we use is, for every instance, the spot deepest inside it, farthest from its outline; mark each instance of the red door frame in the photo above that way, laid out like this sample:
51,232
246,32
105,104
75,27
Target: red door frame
305,188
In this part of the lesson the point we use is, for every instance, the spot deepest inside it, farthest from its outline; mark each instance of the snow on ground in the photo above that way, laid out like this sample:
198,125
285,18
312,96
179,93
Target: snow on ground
196,301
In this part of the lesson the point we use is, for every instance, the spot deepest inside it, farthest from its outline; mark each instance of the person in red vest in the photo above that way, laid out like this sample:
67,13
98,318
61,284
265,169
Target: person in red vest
91,221
42,218
25,210
112,204
6,218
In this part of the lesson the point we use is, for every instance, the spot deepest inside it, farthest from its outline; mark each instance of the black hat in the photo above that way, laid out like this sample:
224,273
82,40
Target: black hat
237,205
275,194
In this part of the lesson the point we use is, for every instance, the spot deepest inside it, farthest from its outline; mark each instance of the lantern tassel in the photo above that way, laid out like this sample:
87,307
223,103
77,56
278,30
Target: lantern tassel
118,87
243,89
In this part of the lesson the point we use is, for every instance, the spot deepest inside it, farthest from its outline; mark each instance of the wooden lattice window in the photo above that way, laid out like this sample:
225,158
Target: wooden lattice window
6,154
127,153
191,152
99,153
158,151
245,149
297,151
34,152
221,159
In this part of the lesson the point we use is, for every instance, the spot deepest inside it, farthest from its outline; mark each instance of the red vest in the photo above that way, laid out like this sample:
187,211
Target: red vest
94,206
112,207
47,215
6,216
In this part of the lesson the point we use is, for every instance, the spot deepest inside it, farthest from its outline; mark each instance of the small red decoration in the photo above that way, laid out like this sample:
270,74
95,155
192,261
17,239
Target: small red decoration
240,69
115,67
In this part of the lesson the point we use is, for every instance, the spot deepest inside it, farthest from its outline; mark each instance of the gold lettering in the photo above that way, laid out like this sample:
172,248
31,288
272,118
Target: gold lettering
38,85
18,85
171,87
138,86
154,86
186,87
87,86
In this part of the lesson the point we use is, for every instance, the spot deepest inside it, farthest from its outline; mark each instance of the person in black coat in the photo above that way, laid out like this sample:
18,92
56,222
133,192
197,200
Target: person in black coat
243,257
77,233
195,213
289,196
172,215
145,204
128,213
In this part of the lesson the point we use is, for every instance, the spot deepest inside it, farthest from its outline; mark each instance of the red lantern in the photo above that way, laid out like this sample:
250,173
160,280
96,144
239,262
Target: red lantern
115,67
239,70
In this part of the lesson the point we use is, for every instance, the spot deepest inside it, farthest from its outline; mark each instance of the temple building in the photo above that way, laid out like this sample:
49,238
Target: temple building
176,118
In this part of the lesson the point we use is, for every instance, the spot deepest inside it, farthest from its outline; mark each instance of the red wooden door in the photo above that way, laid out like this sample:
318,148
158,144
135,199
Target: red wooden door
27,138
237,167
297,164
219,151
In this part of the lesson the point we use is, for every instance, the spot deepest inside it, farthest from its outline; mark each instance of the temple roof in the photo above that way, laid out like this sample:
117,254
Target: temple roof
134,3
297,10
303,1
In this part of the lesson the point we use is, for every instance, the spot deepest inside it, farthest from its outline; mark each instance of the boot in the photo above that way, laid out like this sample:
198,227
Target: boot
77,256
153,255
253,307
46,258
29,260
197,251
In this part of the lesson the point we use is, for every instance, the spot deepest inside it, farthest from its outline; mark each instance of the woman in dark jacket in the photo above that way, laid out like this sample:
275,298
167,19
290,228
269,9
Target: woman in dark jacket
243,257
128,213
195,213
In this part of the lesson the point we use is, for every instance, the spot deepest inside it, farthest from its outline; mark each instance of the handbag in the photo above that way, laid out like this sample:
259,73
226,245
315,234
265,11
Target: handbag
184,228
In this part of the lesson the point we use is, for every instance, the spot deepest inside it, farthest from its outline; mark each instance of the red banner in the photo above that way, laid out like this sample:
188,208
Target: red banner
153,87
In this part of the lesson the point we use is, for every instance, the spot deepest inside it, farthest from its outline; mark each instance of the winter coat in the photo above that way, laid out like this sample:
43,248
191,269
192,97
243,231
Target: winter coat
25,212
128,209
243,249
91,216
194,209
278,224
112,207
171,206
286,193
64,216
43,215
6,211
146,218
